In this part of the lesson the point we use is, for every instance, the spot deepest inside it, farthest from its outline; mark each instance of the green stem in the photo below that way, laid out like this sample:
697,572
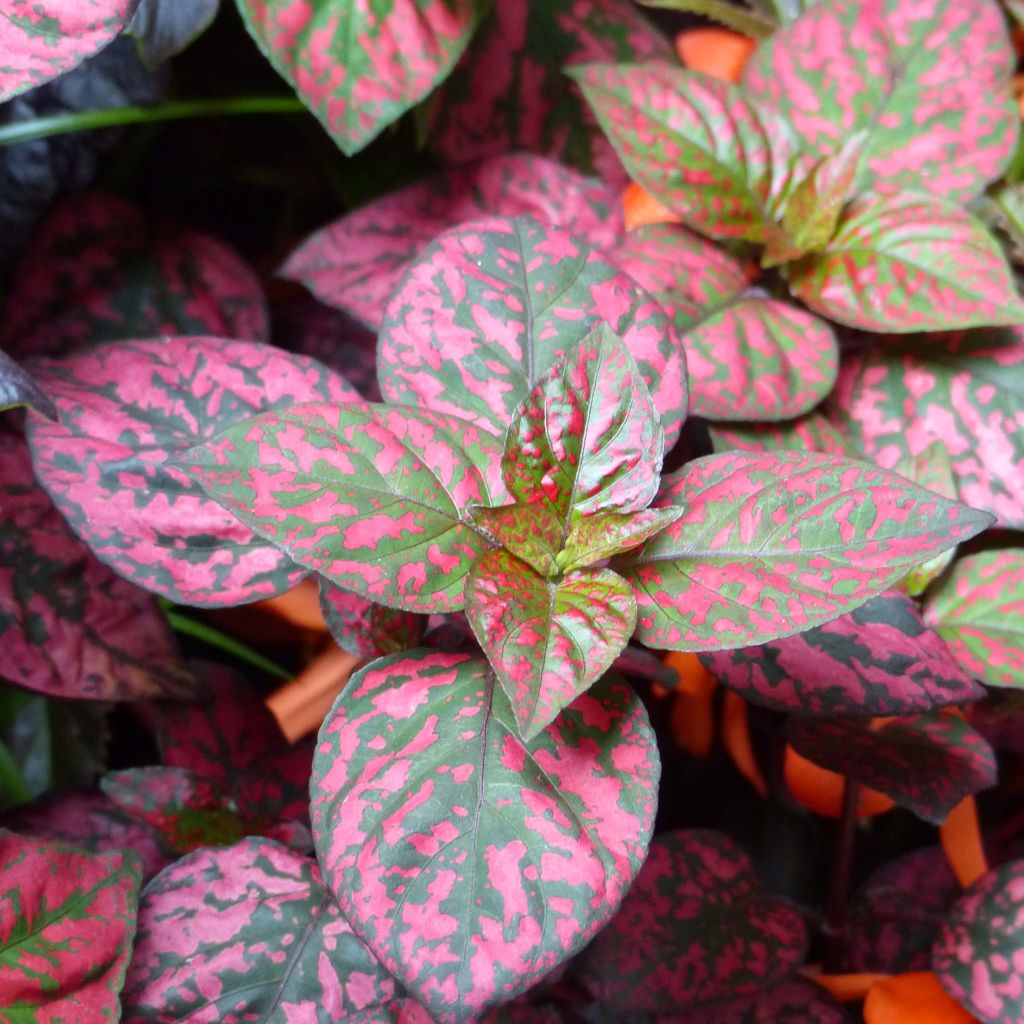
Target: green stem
11,778
215,638
61,124
739,19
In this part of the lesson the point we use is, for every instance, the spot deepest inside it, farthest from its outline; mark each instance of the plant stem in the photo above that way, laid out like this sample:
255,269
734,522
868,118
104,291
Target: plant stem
61,124
11,779
834,926
215,638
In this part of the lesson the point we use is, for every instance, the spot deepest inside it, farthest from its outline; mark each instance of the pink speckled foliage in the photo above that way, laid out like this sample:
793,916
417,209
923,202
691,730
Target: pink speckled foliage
469,862
362,627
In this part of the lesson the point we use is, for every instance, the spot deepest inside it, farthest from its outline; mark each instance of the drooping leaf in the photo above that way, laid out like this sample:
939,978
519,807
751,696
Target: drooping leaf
928,82
879,659
163,28
769,545
695,927
355,263
793,1002
126,409
249,932
41,39
811,432
926,763
360,67
361,627
469,863
547,640
978,609
67,919
17,388
490,306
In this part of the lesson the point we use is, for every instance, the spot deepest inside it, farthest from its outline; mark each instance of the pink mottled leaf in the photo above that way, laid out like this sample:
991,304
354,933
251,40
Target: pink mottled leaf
355,263
547,640
794,1001
695,927
17,388
811,432
470,863
770,545
489,308
359,67
372,497
910,262
96,270
978,609
249,933
533,533
67,919
126,409
596,538
927,81
41,39
361,627
926,763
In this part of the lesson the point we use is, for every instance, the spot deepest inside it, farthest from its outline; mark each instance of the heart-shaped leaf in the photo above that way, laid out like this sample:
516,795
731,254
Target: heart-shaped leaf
879,659
249,932
126,409
355,263
769,545
547,640
366,629
67,919
978,609
17,388
489,308
928,83
910,262
926,763
470,863
695,927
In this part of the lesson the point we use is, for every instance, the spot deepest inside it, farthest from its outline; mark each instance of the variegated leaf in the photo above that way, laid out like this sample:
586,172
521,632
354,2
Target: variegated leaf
372,497
366,629
470,863
910,262
127,408
879,659
770,545
17,388
978,609
928,82
695,927
250,933
359,67
355,263
67,919
926,763
533,533
487,310
596,538
795,1001
811,432
547,640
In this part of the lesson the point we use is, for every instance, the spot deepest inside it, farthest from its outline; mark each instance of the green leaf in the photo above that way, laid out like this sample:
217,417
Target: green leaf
598,537
531,532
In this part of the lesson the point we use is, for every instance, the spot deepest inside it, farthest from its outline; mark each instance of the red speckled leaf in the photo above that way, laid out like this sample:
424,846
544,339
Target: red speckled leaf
359,67
488,309
811,432
469,863
695,927
41,39
978,608
372,497
17,388
926,763
909,263
361,627
793,1002
250,933
596,538
770,545
96,270
547,640
533,533
69,626
355,263
126,409
928,81
880,659
67,919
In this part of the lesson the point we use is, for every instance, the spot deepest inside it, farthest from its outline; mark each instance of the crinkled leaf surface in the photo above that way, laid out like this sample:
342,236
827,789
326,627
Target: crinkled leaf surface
355,263
67,919
361,627
126,409
926,763
470,863
372,497
879,659
910,262
41,39
17,388
250,933
927,81
695,927
163,28
490,306
793,1002
978,608
769,545
359,67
